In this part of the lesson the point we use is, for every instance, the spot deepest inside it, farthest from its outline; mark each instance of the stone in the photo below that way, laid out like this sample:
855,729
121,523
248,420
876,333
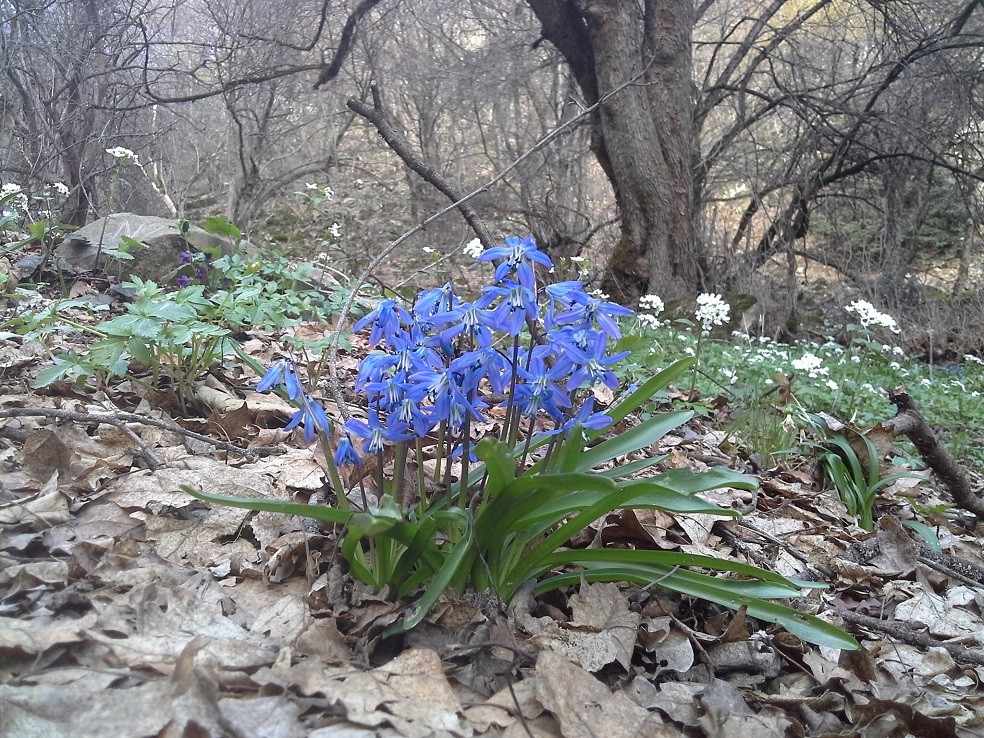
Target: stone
157,262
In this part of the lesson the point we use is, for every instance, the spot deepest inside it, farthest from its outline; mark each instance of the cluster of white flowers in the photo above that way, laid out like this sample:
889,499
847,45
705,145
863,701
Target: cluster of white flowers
652,303
811,364
123,156
582,267
648,321
599,294
61,188
712,310
19,199
325,192
971,359
473,248
868,316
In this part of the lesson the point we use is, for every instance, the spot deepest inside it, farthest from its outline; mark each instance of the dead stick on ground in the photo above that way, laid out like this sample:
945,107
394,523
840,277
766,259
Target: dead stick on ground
119,420
908,633
911,423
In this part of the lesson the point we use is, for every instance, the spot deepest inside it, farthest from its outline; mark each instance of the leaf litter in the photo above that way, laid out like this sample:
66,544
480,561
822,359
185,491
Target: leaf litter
128,608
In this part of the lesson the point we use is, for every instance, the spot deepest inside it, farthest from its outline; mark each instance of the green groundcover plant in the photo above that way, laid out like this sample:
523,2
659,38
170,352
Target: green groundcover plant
530,482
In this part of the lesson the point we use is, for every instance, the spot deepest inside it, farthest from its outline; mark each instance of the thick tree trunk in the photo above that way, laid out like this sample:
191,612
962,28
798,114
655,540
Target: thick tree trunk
644,136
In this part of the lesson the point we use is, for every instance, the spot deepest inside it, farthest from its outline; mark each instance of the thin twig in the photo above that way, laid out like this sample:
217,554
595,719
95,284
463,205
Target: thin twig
118,420
914,636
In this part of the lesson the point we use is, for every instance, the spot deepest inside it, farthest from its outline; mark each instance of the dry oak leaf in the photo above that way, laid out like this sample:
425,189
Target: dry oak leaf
586,708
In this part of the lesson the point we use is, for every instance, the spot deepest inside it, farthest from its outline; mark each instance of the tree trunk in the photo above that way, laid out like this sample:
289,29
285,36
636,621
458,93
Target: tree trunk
643,137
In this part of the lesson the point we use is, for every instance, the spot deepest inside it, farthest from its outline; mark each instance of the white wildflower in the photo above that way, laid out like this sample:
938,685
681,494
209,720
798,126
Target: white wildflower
473,248
599,294
969,358
61,188
689,350
712,310
311,185
123,155
810,363
18,198
428,250
335,230
652,303
832,385
578,259
868,316
647,320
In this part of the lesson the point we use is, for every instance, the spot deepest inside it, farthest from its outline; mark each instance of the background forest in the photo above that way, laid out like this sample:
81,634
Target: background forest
831,140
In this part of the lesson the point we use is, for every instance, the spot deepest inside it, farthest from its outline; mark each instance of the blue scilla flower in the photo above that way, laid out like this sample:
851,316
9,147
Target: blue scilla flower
592,311
434,385
461,407
592,364
415,351
434,302
587,418
387,322
516,256
470,319
374,367
282,372
412,414
560,294
517,304
388,392
312,417
539,390
345,453
375,433
484,362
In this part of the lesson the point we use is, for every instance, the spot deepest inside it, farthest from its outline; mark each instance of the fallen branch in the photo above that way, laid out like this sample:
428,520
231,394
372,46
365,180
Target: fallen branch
913,635
911,423
119,420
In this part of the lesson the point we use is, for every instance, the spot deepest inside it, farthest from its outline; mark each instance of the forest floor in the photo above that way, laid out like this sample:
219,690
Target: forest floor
128,608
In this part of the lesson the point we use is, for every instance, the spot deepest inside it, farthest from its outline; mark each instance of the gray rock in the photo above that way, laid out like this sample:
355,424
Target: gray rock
157,262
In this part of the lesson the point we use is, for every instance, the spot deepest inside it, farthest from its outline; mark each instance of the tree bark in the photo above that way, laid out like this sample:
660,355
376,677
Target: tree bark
644,137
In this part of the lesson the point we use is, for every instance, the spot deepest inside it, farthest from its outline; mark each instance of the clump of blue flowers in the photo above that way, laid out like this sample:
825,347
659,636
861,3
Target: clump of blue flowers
516,365
528,346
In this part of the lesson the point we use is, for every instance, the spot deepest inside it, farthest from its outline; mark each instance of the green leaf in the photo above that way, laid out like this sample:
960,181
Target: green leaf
633,467
65,366
642,395
928,534
221,227
318,512
807,627
645,434
689,482
459,560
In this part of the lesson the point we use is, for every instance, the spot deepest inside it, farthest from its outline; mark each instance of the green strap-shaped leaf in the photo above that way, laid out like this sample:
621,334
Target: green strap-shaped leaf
645,434
807,627
458,560
642,395
318,512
